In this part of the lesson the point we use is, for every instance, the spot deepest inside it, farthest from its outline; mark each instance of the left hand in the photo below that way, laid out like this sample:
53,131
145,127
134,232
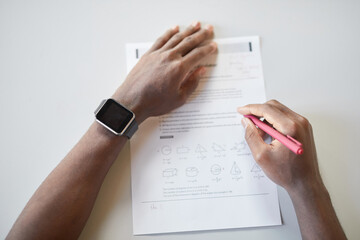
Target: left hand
167,74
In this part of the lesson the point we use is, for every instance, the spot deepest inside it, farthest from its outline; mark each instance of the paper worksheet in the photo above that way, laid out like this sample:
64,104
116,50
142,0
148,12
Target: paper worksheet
192,169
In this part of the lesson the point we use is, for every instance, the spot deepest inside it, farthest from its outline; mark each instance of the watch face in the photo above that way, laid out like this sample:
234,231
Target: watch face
114,116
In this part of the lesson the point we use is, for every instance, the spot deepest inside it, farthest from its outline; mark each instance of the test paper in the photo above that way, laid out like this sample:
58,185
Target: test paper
192,169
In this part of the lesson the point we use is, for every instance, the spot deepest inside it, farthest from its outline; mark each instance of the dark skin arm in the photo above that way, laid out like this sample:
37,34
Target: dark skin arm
161,81
62,204
298,174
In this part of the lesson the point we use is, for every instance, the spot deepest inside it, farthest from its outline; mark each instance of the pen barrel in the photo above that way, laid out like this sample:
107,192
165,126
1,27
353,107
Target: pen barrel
294,147
288,141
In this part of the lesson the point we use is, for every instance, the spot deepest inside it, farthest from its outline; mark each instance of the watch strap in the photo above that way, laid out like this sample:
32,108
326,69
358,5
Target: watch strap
100,106
133,127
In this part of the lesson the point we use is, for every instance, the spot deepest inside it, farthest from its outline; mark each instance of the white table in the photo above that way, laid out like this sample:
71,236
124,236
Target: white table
58,59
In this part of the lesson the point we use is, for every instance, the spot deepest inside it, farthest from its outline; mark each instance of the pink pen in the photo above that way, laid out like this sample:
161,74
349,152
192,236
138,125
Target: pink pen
288,141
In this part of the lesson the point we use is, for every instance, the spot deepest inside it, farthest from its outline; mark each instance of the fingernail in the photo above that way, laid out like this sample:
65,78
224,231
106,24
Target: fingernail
175,28
239,109
214,46
196,24
202,71
244,122
209,27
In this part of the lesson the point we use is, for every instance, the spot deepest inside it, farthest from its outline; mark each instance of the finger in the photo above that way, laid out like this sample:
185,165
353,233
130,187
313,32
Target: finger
256,144
262,133
193,57
189,85
178,37
285,109
161,41
192,41
272,114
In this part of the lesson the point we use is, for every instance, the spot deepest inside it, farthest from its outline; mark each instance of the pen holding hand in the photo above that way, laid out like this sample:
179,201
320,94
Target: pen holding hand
279,163
298,173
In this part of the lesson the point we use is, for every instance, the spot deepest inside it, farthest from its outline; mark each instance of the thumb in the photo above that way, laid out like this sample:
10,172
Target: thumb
254,139
191,82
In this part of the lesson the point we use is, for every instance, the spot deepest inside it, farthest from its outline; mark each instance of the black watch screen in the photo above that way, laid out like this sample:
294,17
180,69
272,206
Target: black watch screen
114,116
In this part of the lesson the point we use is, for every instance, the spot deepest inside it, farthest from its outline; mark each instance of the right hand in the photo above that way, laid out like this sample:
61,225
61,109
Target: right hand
281,165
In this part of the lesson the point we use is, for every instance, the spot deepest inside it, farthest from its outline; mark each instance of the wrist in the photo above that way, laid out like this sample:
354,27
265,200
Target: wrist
308,189
101,134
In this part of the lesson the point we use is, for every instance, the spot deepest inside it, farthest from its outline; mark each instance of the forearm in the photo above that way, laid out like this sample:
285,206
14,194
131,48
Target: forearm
161,81
297,173
63,202
315,213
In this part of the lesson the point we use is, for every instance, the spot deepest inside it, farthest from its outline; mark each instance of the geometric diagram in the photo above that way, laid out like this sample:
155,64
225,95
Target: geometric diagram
217,148
239,146
235,170
182,149
256,168
215,169
192,171
166,150
200,149
257,172
170,172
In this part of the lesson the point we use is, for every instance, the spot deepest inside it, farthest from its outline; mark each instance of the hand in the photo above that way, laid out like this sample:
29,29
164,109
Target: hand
167,74
280,164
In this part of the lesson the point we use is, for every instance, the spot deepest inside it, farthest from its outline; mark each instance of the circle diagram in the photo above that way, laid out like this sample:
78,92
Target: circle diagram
215,169
166,149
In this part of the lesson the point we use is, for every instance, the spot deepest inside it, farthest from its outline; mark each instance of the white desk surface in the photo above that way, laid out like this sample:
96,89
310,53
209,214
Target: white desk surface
58,59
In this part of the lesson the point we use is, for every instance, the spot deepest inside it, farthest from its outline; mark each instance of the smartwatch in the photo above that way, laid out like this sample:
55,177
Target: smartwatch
116,118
